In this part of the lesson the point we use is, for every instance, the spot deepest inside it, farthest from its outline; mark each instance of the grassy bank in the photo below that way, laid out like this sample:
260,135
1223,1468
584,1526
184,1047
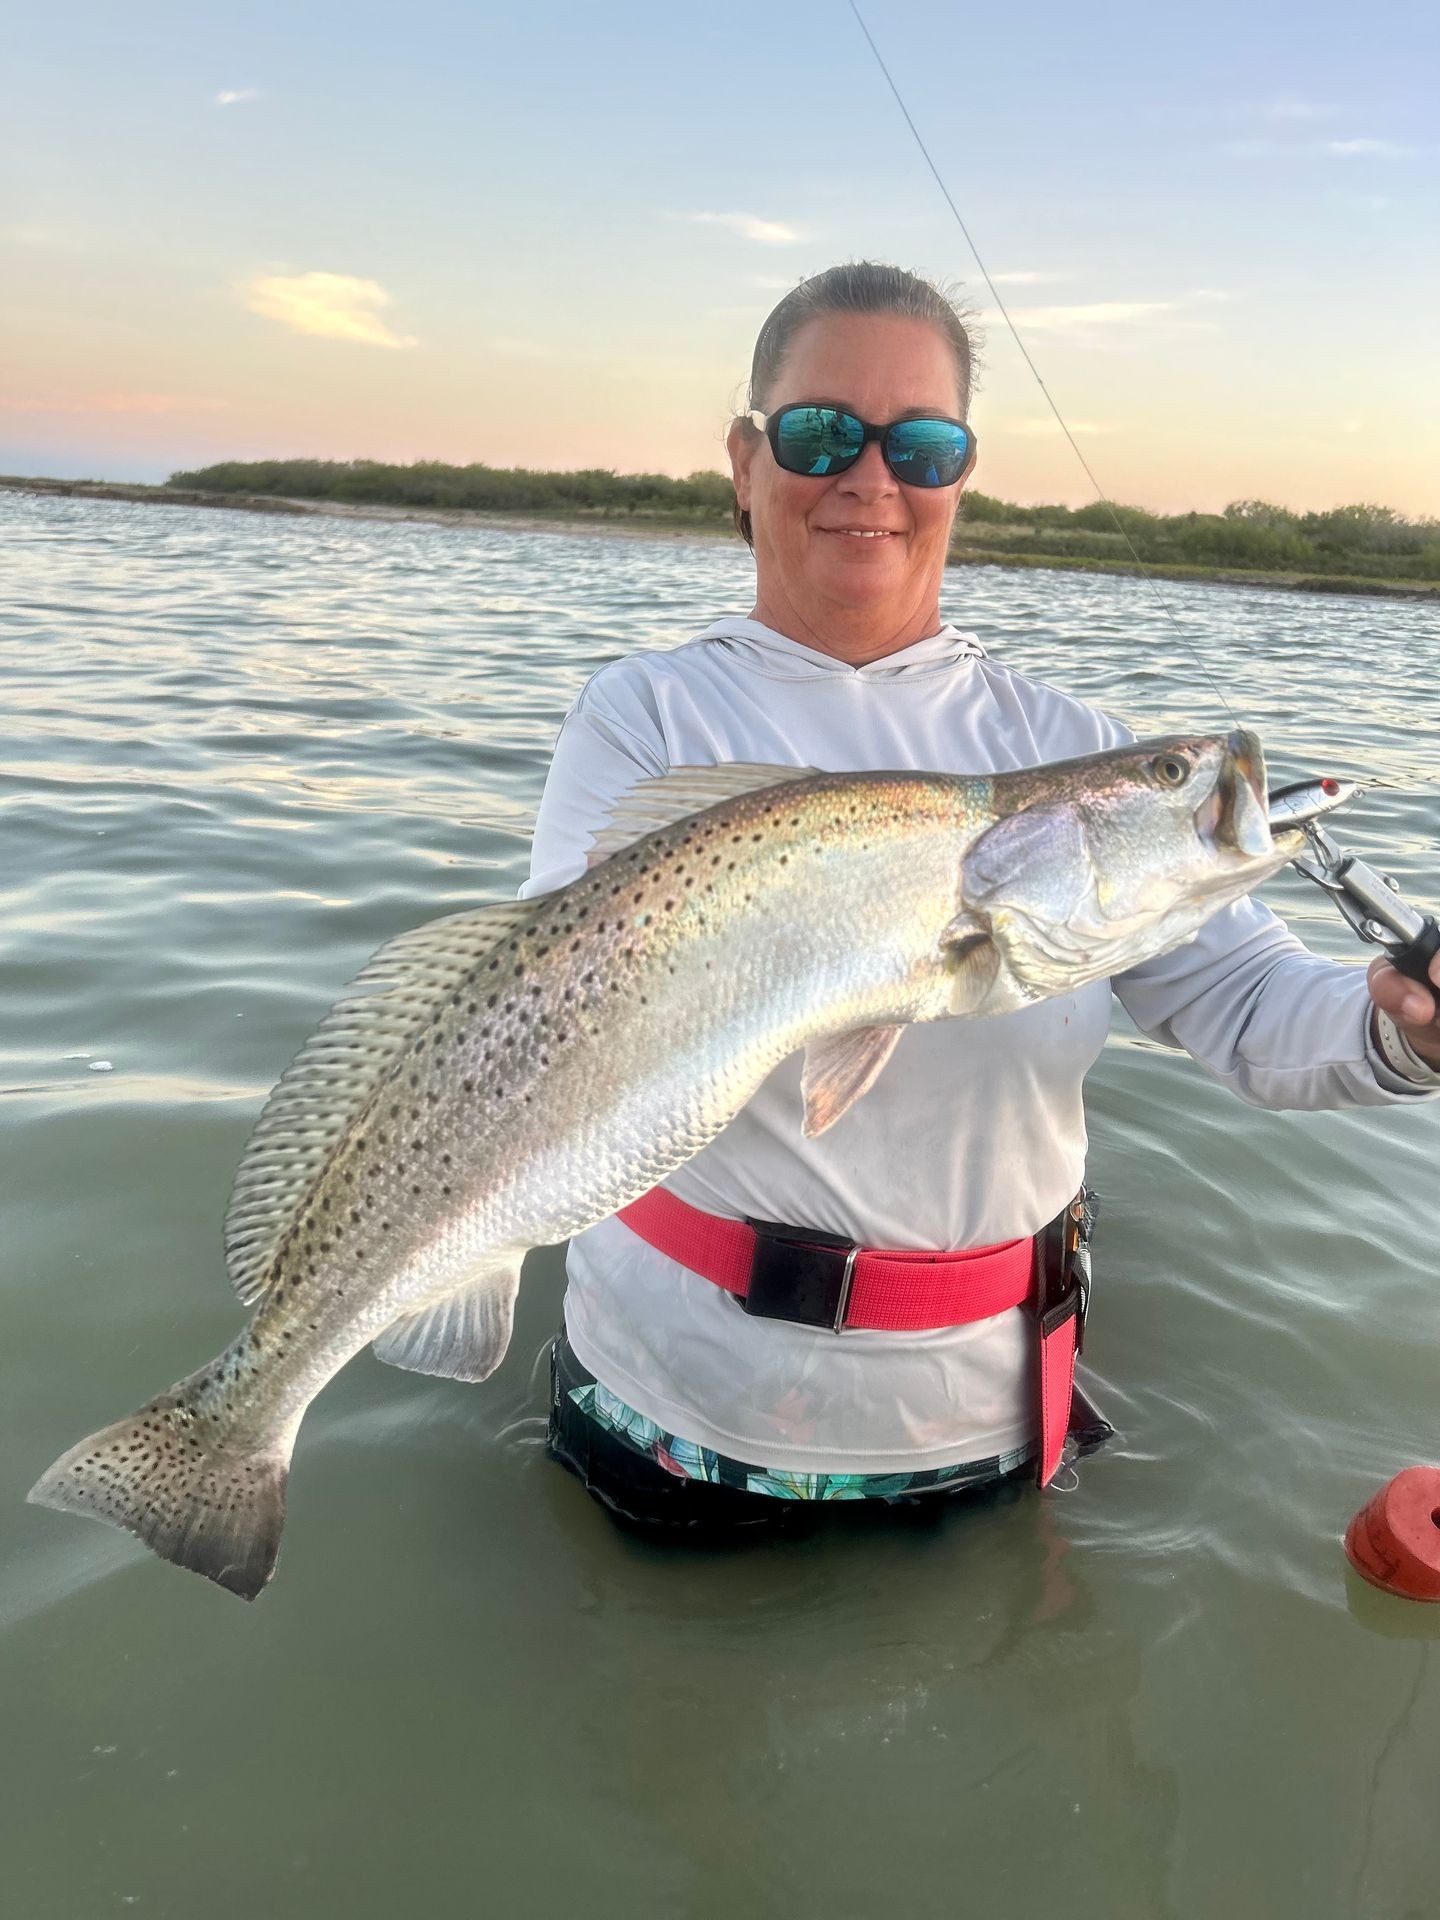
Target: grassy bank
1359,549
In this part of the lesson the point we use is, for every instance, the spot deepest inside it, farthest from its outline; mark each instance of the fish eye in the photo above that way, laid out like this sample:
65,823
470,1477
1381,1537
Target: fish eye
1170,770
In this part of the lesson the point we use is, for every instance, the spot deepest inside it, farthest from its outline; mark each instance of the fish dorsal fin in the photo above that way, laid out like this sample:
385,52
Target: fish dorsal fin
684,790
839,1070
333,1076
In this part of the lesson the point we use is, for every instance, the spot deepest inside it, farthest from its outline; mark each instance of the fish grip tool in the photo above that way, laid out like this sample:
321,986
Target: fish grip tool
1371,902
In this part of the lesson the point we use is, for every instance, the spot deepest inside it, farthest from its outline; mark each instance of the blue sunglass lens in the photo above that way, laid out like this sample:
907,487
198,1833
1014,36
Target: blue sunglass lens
927,453
818,440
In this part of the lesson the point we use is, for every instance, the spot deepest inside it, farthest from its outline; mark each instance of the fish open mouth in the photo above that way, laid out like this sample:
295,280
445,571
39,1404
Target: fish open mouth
1234,817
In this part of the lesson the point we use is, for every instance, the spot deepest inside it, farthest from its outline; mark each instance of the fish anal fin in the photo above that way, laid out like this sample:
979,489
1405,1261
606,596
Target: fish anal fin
463,1336
840,1069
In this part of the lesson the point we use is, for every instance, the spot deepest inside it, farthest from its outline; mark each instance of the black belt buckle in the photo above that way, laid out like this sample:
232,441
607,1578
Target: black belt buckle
800,1274
1061,1285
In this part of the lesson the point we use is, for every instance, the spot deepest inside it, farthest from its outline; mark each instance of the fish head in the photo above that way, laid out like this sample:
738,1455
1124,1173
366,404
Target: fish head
1099,863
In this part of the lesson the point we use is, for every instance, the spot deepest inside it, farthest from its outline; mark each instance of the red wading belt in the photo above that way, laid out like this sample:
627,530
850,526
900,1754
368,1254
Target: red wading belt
822,1280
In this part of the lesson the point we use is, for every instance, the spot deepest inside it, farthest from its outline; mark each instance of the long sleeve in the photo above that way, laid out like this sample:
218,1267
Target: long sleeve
605,747
1275,1023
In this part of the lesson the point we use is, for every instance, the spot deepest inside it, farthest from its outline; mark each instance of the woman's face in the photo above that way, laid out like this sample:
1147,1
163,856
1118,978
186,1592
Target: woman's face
852,564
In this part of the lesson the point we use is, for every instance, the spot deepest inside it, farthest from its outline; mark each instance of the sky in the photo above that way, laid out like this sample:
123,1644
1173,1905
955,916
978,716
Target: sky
546,235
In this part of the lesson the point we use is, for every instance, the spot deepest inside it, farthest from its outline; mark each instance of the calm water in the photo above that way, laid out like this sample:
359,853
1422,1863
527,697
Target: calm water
238,754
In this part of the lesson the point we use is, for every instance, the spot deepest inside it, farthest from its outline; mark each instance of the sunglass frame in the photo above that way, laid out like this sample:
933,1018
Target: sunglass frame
769,424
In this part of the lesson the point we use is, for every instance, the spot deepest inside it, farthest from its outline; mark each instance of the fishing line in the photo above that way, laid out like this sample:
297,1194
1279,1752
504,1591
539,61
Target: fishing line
1100,494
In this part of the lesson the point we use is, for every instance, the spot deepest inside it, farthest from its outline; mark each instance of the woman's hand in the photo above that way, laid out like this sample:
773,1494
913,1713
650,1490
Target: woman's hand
1415,1011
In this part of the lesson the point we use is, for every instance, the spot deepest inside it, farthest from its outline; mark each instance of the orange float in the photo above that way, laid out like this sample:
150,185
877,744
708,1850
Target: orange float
1394,1540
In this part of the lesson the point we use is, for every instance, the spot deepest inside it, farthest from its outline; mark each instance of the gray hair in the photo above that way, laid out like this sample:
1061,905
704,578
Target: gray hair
856,286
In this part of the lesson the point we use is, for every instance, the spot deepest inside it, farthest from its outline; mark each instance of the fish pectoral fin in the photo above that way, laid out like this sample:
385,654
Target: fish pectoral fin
840,1069
972,960
463,1336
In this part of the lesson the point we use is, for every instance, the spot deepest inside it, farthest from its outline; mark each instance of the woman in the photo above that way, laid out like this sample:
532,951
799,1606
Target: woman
678,1409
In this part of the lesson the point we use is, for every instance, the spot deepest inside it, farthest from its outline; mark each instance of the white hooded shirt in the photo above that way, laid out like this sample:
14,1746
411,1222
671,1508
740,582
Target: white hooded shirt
975,1131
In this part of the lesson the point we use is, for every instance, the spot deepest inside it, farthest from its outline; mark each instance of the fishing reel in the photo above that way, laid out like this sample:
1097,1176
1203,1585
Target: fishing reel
1371,902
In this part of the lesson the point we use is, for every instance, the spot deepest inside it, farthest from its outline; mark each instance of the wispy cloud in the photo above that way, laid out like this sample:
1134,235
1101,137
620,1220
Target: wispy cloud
1046,428
92,403
1380,149
333,306
1028,277
512,347
767,233
32,236
1289,106
1098,313
1354,149
235,96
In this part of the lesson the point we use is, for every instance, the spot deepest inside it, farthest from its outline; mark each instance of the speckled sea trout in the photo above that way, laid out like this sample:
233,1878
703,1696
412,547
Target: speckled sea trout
505,1077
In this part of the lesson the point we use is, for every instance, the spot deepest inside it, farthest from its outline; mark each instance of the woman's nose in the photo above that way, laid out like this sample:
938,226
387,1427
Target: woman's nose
869,478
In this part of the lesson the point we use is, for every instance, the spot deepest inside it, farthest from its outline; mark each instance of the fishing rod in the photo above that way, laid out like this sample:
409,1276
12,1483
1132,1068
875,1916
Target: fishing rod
1370,902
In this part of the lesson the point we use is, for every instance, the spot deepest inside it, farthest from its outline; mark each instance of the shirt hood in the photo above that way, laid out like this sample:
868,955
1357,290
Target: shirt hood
782,658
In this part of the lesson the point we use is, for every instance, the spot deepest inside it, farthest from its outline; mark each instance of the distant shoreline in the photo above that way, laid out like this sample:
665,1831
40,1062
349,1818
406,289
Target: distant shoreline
661,526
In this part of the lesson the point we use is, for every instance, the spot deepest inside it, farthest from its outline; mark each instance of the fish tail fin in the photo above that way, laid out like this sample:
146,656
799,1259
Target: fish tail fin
167,1475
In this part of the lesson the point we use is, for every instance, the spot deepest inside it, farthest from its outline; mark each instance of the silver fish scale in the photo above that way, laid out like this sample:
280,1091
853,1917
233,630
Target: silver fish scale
602,1046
